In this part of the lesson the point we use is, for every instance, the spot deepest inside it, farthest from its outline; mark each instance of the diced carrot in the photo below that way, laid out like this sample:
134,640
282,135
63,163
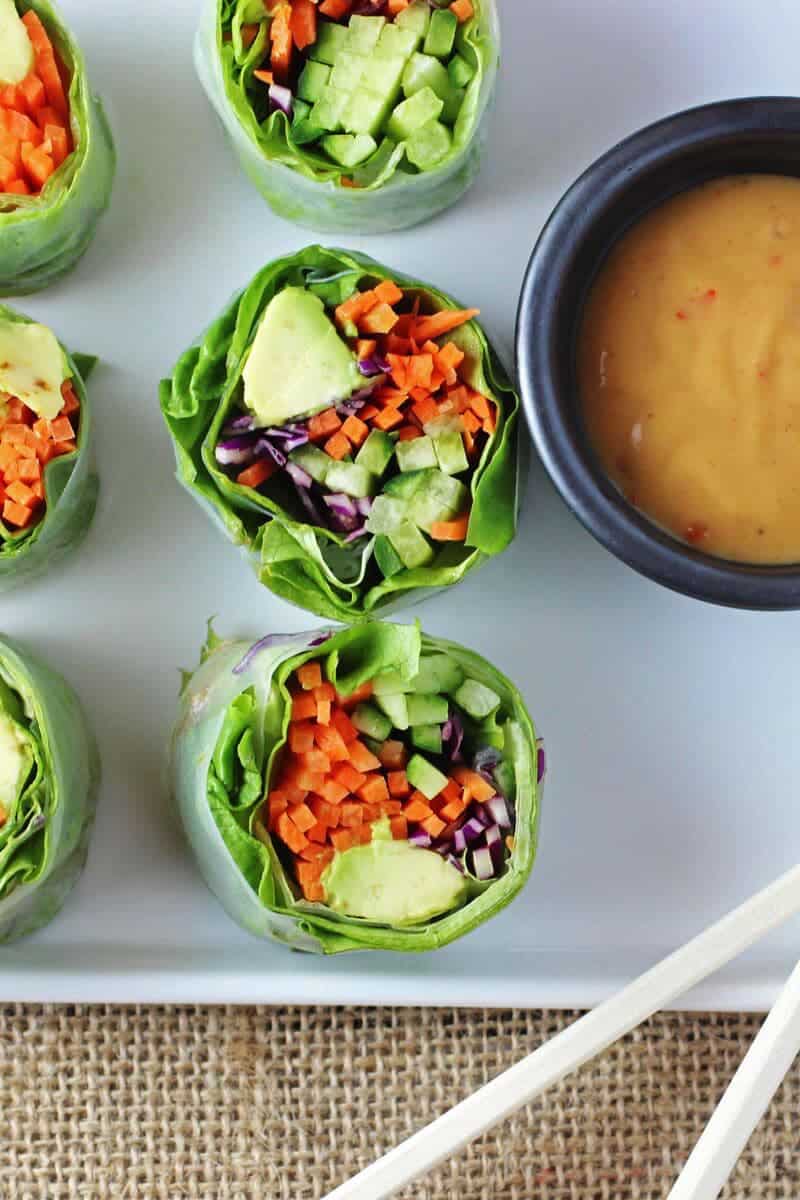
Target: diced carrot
309,676
61,429
453,810
459,398
394,344
452,791
433,825
11,97
334,792
342,838
64,447
289,833
47,70
301,737
419,371
21,494
437,324
398,784
426,410
450,531
308,877
280,35
48,116
20,127
43,429
388,418
325,691
366,347
38,165
335,9
362,758
344,726
8,173
399,828
29,470
331,742
463,10
10,148
266,77
394,397
490,424
348,777
304,708
368,412
324,812
323,424
324,712
393,755
33,93
374,790
479,405
315,760
258,473
471,423
276,804
350,814
304,23
388,292
397,6
38,489
319,834
362,692
346,182
293,793
381,319
354,307
337,446
355,430
408,433
301,816
392,808
15,433
420,394
8,455
480,788
71,402
363,835
11,473
417,811
310,781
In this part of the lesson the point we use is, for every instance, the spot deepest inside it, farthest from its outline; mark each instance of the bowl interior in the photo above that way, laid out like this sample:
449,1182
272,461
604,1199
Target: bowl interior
752,136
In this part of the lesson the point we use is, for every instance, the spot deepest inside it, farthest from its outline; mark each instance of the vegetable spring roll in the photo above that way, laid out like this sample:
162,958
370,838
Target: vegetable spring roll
49,773
56,152
367,789
352,429
353,117
47,491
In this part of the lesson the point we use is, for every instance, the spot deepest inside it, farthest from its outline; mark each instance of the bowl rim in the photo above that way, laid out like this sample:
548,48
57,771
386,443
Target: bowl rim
568,460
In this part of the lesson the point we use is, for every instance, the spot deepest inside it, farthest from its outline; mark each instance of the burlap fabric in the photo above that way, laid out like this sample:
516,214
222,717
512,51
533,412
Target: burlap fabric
269,1104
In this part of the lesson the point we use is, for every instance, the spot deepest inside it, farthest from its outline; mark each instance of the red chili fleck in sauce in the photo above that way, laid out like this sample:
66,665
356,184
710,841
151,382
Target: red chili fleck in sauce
711,294
680,314
696,532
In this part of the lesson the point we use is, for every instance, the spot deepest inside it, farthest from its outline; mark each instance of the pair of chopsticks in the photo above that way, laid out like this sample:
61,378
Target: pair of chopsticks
737,1115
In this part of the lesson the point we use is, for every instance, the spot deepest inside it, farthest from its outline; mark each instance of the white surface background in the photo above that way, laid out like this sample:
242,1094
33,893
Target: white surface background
671,726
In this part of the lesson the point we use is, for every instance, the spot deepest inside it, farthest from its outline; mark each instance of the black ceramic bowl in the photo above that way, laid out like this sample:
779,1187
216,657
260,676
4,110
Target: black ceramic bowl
735,136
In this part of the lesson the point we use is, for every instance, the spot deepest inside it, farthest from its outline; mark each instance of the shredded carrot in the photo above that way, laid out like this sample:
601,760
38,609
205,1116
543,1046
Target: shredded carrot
304,23
266,77
434,326
450,531
259,473
335,9
280,36
463,10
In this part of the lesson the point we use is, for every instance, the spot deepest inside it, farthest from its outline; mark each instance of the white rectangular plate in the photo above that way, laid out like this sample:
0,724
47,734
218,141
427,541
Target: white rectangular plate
671,726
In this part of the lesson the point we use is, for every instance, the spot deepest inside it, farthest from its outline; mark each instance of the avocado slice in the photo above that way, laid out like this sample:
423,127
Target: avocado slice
16,760
32,366
16,51
297,363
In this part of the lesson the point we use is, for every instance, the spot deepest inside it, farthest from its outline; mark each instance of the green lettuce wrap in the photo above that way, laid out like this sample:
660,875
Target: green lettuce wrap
372,788
49,774
50,210
424,491
48,489
352,122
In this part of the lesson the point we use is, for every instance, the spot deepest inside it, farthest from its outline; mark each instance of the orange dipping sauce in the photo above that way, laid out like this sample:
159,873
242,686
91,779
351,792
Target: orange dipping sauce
689,367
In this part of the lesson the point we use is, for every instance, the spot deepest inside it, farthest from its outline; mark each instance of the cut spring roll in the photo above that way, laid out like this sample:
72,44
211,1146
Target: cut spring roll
49,774
367,789
353,117
56,151
48,492
353,429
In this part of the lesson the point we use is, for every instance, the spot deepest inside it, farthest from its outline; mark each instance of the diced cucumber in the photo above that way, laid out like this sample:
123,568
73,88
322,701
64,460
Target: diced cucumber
450,452
304,130
363,33
421,108
460,71
429,145
386,514
452,106
387,156
427,709
328,111
390,683
366,111
427,737
351,479
441,33
312,82
376,453
389,561
347,72
425,777
313,460
415,18
438,673
300,110
405,486
383,75
477,700
395,42
370,720
424,71
443,498
395,707
349,149
416,454
331,41
412,547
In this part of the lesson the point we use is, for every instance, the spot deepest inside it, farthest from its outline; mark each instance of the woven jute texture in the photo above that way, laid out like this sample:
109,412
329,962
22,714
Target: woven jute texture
256,1104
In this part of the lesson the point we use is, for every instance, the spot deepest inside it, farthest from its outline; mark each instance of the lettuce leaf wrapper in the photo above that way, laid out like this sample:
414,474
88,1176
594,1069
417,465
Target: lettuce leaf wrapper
311,566
233,719
301,183
44,838
42,237
71,489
